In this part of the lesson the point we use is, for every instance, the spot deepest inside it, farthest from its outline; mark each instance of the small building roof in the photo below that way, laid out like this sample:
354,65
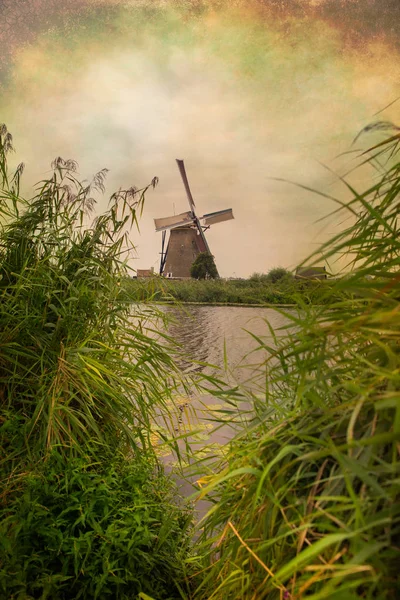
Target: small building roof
145,272
311,272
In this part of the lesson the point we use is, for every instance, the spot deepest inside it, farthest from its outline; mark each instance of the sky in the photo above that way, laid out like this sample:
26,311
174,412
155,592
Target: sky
252,94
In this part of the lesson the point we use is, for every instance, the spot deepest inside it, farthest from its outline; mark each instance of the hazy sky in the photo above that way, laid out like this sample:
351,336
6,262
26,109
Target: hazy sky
243,90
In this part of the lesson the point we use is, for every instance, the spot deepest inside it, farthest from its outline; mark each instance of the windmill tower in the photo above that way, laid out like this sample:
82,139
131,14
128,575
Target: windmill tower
186,238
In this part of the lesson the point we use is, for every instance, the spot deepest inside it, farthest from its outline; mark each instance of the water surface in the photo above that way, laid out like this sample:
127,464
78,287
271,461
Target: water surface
207,332
222,342
218,341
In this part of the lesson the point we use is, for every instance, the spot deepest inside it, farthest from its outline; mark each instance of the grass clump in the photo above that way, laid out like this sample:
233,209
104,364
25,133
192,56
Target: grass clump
307,499
82,378
77,529
301,511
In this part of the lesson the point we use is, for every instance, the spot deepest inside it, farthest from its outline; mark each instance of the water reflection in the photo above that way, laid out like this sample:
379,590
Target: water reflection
192,330
217,341
211,337
210,334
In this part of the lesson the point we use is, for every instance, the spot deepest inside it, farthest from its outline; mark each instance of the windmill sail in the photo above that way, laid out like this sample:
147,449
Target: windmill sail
186,184
175,221
163,254
217,217
204,247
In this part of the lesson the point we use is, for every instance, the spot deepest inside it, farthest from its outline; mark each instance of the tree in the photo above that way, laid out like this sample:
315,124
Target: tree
204,267
277,274
273,276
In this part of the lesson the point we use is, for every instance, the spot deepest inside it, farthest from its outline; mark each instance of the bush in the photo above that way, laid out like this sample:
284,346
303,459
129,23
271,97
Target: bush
273,276
75,529
278,274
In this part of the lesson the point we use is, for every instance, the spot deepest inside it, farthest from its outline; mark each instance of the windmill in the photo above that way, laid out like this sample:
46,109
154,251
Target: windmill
186,238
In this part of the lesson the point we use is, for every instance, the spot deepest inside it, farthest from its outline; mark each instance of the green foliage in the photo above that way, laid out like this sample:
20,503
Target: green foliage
82,379
76,361
204,267
273,276
301,501
258,277
239,291
78,530
277,274
307,499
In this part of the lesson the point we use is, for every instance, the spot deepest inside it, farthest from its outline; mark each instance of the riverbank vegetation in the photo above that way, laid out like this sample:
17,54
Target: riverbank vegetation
85,509
306,496
257,290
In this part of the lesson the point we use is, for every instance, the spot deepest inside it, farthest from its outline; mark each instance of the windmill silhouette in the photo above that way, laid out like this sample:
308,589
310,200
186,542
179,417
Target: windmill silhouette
186,237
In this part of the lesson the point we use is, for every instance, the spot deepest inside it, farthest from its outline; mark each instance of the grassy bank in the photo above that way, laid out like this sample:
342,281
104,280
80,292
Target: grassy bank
237,292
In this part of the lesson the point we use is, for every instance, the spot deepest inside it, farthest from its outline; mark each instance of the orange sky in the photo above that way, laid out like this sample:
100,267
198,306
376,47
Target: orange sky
243,91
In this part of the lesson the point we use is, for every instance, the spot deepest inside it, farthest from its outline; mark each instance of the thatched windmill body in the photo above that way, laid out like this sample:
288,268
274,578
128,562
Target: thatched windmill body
186,234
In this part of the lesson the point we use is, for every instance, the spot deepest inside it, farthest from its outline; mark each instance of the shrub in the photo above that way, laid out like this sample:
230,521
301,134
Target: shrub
75,529
273,276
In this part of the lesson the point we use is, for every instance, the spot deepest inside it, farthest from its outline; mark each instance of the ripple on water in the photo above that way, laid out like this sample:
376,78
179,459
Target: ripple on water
206,334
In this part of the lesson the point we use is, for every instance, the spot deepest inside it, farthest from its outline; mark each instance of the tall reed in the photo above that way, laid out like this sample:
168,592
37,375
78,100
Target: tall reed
75,363
85,509
307,498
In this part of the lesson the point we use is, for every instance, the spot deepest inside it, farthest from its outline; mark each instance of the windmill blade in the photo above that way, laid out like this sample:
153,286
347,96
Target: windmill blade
217,217
163,254
182,171
206,247
175,221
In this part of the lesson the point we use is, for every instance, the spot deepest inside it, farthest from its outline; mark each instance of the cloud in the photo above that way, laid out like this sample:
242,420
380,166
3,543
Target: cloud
240,97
